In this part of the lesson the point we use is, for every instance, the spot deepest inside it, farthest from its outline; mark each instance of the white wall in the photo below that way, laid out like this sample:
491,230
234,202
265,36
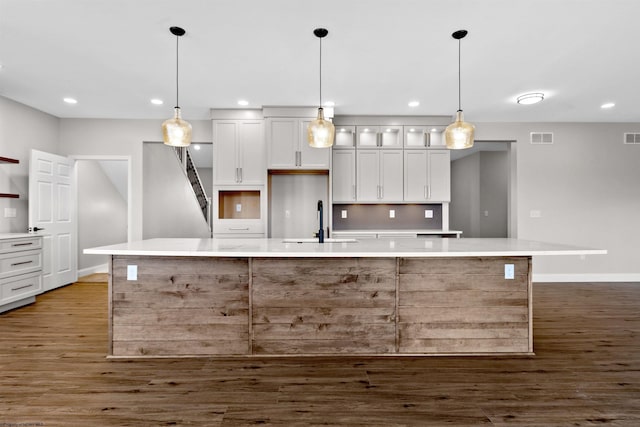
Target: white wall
123,138
586,187
22,128
102,213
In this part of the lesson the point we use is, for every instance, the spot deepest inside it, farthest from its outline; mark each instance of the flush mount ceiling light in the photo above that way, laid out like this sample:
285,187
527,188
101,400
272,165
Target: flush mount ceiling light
530,98
459,134
320,132
175,131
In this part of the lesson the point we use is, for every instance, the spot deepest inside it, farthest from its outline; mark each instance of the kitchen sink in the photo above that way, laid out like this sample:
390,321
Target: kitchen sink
315,240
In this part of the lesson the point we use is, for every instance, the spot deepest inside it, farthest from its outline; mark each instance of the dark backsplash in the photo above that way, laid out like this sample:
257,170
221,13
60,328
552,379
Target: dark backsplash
376,217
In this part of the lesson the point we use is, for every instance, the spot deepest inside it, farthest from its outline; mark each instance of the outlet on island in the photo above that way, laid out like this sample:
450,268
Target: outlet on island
392,213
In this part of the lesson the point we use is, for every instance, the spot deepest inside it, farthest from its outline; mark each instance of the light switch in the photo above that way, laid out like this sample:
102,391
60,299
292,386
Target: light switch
392,213
343,213
509,271
132,272
428,213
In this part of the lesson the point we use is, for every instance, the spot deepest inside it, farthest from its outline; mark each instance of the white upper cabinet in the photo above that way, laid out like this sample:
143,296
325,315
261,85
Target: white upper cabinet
345,137
343,171
288,147
422,137
238,152
427,175
379,176
379,137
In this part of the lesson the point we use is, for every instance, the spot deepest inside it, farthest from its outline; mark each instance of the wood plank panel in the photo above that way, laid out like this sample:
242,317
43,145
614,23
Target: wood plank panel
198,306
463,305
323,306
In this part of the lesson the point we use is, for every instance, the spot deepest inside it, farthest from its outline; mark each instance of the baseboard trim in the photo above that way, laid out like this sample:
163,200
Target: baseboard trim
103,268
614,277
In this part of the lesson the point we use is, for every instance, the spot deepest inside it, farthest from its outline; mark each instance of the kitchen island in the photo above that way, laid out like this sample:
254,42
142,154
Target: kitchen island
266,297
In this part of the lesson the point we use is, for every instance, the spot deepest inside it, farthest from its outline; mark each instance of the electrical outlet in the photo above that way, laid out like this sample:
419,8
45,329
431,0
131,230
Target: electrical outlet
343,213
9,212
132,272
486,213
509,271
238,207
392,213
535,214
287,214
428,213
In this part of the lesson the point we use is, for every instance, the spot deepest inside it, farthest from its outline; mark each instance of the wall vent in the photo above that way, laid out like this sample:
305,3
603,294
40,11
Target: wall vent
541,138
632,138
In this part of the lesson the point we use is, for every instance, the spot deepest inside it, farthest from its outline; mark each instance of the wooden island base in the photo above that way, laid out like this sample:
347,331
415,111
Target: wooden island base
217,306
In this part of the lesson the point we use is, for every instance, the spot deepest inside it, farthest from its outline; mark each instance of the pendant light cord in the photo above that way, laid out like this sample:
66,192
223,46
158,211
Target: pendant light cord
177,70
320,72
459,78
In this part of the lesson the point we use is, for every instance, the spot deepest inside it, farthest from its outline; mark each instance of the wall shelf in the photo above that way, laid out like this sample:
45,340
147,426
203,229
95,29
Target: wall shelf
13,161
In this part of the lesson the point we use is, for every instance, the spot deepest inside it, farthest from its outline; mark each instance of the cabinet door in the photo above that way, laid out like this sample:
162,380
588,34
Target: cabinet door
345,137
251,152
439,175
416,137
310,157
367,172
391,137
391,176
282,143
415,175
367,136
344,175
225,156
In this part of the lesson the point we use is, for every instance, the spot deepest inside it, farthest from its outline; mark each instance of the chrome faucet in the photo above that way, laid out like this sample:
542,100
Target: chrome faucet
320,233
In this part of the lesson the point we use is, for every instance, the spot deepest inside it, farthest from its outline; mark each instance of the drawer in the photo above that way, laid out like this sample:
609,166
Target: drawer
238,227
23,244
19,287
12,264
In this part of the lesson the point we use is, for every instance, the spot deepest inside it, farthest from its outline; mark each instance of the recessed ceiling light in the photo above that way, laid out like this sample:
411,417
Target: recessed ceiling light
243,102
196,147
434,130
70,101
530,98
329,104
156,101
608,105
414,103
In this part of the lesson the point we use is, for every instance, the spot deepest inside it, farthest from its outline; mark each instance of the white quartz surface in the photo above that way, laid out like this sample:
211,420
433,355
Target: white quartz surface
395,232
384,247
5,236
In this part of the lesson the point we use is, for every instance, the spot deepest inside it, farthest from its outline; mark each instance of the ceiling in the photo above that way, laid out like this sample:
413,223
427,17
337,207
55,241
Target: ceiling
113,56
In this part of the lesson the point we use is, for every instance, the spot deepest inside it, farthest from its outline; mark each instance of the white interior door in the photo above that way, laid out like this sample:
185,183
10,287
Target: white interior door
52,215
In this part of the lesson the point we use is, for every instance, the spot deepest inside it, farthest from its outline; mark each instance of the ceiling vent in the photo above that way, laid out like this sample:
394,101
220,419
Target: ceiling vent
541,138
632,138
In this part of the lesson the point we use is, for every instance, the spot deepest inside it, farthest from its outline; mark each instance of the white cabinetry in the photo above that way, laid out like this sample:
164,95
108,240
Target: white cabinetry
288,147
238,152
427,176
422,137
20,271
379,176
344,175
379,137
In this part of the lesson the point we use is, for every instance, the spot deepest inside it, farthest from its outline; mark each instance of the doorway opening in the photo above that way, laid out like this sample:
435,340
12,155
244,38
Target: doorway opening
483,202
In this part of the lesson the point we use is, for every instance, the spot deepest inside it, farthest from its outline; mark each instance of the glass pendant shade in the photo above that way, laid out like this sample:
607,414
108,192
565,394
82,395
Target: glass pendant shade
459,134
175,131
321,132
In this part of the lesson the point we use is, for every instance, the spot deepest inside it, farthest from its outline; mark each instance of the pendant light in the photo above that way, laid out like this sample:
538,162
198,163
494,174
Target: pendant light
320,132
175,131
459,134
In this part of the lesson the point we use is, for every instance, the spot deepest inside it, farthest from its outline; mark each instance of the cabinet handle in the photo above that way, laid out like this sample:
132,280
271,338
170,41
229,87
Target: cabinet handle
382,191
427,139
353,191
239,228
22,287
22,244
425,192
21,263
379,139
428,192
240,174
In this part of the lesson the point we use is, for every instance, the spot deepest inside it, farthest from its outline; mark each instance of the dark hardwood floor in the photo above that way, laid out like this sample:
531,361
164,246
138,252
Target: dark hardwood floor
586,372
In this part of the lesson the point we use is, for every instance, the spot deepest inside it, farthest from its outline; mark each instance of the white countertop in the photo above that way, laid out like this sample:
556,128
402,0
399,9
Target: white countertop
398,232
384,247
5,236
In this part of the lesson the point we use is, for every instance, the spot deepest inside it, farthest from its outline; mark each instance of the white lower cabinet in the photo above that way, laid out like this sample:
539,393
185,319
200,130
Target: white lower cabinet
379,176
427,176
20,271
